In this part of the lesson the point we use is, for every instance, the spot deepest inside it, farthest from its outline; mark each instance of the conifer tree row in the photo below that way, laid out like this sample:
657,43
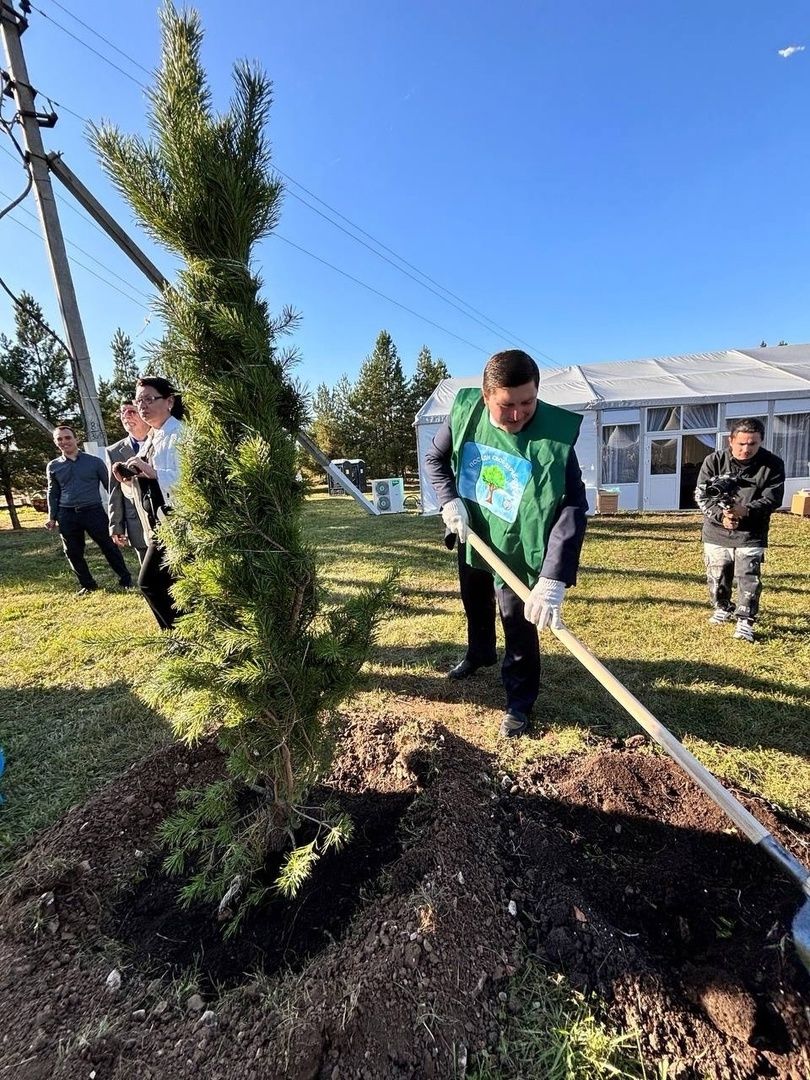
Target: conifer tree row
256,655
373,419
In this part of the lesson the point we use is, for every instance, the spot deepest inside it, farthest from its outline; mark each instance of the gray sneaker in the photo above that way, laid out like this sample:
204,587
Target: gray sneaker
744,631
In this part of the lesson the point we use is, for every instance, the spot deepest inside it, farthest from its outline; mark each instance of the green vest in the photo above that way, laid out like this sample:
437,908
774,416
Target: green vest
512,485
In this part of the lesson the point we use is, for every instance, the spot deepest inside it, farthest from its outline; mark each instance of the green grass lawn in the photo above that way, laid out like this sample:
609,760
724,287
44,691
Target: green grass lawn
72,716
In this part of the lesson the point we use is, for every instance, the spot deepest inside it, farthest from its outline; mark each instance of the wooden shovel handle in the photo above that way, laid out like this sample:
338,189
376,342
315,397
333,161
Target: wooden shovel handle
745,821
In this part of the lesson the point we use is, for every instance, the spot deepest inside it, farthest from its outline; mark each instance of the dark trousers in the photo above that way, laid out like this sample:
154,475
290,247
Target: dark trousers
74,522
154,581
520,671
726,565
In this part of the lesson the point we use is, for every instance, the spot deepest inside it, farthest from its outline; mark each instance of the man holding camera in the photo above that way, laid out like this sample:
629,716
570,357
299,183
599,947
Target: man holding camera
738,489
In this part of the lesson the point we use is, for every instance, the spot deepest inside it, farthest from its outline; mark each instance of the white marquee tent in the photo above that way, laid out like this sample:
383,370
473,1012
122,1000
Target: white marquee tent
648,424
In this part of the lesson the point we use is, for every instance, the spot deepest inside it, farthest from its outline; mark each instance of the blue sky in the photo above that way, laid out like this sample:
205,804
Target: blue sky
602,181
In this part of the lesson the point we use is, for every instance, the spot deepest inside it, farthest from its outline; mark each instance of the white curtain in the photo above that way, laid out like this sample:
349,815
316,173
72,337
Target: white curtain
699,416
667,418
791,441
620,454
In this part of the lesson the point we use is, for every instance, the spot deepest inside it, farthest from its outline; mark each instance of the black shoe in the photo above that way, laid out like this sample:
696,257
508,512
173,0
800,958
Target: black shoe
85,589
126,584
465,668
514,723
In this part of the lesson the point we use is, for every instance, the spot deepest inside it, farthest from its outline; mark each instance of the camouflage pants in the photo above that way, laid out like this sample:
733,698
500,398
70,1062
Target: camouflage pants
727,565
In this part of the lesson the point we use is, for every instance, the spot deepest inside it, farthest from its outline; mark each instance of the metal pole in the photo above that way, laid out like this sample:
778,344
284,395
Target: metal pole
25,408
105,220
11,25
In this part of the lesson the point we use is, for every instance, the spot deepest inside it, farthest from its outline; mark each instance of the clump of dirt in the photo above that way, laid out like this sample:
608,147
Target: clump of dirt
639,887
610,867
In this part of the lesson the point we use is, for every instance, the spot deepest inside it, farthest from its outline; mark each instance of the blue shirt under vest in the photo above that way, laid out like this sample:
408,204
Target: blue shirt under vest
75,483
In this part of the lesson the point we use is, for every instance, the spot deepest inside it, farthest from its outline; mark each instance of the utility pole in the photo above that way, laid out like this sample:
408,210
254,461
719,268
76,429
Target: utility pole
12,26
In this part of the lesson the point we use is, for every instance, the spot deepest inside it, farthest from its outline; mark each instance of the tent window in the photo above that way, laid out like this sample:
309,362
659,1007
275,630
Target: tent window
699,416
791,441
666,419
620,453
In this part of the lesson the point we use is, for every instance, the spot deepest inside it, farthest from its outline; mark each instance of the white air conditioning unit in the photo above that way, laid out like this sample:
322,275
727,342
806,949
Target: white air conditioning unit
388,495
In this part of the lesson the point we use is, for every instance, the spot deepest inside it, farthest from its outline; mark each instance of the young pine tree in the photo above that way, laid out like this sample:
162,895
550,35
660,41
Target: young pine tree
427,376
257,656
379,407
111,392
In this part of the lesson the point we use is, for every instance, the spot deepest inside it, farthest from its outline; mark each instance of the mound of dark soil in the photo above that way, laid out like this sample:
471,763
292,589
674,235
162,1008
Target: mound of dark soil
609,867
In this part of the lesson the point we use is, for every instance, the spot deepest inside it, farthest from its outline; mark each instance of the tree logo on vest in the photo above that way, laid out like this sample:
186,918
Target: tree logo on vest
493,479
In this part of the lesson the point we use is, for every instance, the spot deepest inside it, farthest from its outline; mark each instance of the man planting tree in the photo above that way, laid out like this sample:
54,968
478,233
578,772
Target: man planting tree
504,464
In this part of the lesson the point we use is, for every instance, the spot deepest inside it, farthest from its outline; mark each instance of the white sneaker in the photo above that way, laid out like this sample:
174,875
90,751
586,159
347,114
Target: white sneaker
744,631
720,616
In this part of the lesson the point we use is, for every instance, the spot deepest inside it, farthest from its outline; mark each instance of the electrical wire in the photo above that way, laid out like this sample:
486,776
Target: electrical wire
87,254
18,200
76,262
380,244
471,313
429,283
401,270
40,322
390,299
101,37
81,41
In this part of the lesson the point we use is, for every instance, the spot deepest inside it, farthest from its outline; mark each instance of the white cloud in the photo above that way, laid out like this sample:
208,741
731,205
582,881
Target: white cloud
790,50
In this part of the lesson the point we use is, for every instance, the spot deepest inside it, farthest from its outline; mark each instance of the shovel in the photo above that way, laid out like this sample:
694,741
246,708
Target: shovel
708,782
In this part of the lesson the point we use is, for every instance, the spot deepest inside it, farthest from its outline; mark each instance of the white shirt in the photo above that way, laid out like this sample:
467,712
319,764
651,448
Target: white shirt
162,453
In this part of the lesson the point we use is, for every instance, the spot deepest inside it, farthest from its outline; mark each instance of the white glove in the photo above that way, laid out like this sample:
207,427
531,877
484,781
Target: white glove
544,603
455,517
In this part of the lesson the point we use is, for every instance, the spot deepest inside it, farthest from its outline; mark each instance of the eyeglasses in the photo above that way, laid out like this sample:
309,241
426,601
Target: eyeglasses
148,400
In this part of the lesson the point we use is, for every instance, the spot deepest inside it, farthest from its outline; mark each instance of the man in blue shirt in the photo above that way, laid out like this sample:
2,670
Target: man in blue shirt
74,508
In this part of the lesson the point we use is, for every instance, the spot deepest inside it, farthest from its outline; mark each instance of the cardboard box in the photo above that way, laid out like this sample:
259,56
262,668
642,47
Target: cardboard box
607,502
800,503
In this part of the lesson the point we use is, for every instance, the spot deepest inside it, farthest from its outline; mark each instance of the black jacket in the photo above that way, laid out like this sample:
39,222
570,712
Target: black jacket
568,530
761,489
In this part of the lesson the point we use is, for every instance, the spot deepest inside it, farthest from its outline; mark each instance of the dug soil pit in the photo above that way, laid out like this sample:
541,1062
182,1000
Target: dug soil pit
610,867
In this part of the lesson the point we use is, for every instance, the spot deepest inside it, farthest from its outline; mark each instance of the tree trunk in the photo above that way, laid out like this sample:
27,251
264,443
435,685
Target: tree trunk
12,509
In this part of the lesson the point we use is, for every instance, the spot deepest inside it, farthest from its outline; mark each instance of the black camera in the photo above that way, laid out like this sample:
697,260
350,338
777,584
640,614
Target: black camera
124,471
723,490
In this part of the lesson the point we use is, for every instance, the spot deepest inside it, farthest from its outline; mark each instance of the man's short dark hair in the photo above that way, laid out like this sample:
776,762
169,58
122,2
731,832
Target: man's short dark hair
513,367
749,424
64,427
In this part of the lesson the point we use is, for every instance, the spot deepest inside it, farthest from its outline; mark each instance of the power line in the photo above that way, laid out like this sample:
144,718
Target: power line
471,313
81,41
377,292
391,262
96,33
379,243
76,262
87,254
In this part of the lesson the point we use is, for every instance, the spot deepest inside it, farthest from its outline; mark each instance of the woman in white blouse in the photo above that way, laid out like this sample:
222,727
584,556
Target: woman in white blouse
158,461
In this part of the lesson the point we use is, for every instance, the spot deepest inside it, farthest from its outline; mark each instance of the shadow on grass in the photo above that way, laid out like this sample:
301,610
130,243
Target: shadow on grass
61,744
33,556
712,702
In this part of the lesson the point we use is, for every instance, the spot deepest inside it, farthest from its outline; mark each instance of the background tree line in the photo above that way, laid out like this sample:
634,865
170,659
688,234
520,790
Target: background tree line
372,418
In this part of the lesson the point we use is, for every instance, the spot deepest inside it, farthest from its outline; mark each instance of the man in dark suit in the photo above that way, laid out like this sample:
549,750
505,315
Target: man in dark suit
125,525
